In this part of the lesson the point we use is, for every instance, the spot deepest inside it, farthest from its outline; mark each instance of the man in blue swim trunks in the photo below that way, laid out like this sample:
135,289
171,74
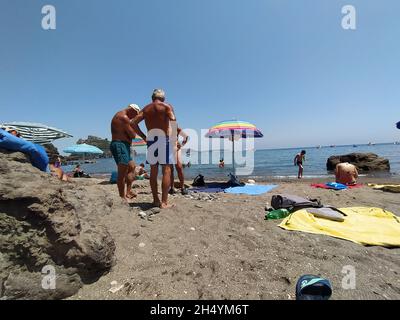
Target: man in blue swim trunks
122,135
160,122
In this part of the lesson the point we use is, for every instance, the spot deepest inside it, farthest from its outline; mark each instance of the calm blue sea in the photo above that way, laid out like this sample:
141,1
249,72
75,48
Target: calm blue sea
268,163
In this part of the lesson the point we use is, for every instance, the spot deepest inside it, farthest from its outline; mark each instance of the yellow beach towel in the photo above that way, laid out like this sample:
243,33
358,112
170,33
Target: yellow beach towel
367,226
386,187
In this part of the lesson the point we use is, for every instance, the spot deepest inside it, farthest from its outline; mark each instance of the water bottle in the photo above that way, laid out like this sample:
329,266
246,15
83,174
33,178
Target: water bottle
277,214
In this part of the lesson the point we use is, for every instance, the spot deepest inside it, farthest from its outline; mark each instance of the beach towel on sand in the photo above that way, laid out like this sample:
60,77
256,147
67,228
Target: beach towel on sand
332,187
212,187
367,226
386,187
251,189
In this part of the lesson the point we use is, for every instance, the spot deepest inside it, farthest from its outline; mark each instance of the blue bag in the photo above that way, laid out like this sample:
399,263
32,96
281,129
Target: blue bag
37,154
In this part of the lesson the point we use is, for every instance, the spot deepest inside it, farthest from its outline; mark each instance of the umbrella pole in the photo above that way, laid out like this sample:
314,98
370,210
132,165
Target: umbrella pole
233,153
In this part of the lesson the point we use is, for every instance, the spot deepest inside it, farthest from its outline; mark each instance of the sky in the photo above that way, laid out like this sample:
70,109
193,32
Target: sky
287,66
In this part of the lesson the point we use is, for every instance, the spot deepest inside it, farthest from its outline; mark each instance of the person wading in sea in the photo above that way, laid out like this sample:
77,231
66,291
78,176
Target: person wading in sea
161,127
122,135
298,161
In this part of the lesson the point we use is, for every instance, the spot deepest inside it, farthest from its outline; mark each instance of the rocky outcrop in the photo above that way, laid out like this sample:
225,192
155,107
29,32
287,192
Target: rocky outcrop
102,144
51,151
365,162
47,225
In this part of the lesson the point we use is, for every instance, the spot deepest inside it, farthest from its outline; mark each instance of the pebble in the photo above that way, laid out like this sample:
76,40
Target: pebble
142,245
143,215
198,206
193,229
250,228
115,287
155,210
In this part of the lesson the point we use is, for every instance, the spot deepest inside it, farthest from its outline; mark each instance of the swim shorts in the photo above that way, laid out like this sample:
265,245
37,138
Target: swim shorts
121,151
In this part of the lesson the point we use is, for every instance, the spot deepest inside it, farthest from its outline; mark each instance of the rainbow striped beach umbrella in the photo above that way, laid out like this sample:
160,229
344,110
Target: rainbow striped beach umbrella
138,142
234,129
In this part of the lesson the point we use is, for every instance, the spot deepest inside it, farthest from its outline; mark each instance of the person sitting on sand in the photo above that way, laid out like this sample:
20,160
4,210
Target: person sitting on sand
57,171
158,116
141,173
79,173
120,147
222,163
298,161
346,173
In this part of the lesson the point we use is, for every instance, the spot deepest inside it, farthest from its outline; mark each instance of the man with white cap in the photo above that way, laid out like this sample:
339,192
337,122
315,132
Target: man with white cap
122,135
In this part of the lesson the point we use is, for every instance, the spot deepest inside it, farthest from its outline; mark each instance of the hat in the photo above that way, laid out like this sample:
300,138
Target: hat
134,107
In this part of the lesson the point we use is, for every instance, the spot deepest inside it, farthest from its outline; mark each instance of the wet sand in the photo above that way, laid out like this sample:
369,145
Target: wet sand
223,248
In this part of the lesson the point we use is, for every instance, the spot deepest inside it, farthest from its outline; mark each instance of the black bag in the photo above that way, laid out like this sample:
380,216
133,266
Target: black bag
293,203
199,181
234,181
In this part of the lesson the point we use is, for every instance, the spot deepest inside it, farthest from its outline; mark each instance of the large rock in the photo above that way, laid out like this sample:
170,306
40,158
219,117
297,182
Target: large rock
52,151
365,162
102,144
46,222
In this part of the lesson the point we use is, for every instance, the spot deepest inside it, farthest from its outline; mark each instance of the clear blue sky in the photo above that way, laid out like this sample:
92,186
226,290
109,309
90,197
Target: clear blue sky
287,66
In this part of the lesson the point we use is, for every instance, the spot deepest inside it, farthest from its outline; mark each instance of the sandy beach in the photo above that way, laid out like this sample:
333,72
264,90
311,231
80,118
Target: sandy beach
222,248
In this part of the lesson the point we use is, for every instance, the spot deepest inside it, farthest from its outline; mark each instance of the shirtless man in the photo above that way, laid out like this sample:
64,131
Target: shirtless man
346,173
160,121
122,135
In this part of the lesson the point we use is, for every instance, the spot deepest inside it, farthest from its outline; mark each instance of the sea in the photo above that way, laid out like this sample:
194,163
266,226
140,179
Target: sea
268,163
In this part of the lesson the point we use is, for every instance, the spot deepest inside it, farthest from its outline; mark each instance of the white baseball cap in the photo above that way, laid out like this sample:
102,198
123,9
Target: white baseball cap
134,107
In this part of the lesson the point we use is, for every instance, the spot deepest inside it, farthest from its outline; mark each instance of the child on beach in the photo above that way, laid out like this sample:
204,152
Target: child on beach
298,161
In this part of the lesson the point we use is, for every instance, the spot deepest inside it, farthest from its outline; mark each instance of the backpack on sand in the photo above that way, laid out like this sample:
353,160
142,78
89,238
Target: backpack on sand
199,181
293,203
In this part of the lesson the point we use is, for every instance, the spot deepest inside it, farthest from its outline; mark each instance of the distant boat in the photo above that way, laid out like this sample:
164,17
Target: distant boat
36,132
333,146
319,147
371,144
355,146
397,142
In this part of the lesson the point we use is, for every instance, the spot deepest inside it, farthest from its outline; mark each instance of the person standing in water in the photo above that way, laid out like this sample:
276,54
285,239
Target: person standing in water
160,122
298,161
120,147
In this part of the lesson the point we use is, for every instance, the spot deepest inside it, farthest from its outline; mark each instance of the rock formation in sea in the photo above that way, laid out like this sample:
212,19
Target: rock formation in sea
102,144
365,162
47,225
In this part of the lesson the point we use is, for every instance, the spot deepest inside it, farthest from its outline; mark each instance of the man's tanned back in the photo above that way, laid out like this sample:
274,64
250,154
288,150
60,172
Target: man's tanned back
157,115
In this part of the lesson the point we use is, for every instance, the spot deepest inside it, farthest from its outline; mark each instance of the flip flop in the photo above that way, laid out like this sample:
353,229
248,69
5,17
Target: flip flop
310,287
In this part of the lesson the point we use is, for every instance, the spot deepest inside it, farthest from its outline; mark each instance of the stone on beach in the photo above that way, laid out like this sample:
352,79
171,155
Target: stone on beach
365,162
48,223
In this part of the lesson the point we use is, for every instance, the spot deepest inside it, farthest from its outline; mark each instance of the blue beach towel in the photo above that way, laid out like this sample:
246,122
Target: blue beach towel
250,189
336,186
212,187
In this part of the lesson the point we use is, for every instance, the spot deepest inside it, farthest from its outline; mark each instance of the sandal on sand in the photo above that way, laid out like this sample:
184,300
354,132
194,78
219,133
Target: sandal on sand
310,287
